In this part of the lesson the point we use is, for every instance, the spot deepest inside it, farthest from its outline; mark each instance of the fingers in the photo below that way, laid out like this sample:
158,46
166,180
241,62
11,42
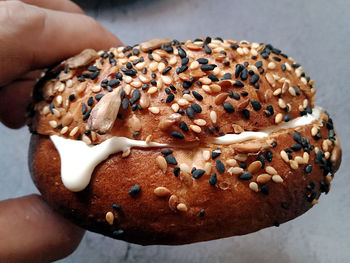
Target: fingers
31,232
15,98
59,5
35,38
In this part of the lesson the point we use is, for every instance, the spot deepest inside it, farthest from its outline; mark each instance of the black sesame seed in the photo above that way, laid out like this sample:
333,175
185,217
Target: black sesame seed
193,169
136,134
220,166
238,70
245,176
170,159
213,179
198,173
135,190
184,61
269,156
311,197
135,51
197,95
254,79
297,137
202,213
277,59
265,55
125,104
90,101
92,68
116,207
208,67
196,107
202,61
261,158
166,70
166,151
87,132
83,108
287,117
236,96
256,105
258,64
226,76
296,147
182,53
190,112
128,65
213,78
234,46
183,126
285,206
99,96
308,168
283,67
130,73
181,69
135,96
215,154
246,113
94,75
238,84
119,75
176,171
71,97
269,111
207,49
244,74
177,135
87,115
246,64
113,82
265,189
170,98
187,84
228,107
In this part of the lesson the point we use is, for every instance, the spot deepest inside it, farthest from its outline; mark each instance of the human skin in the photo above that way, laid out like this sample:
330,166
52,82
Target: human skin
36,34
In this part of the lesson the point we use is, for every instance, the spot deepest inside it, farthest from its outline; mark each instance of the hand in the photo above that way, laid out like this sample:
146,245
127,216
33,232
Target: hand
35,34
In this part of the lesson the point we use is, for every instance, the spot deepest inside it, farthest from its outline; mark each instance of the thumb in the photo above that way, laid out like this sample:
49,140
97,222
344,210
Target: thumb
31,232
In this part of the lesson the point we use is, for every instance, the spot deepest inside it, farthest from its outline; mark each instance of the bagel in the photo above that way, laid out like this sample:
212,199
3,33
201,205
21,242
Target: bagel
170,142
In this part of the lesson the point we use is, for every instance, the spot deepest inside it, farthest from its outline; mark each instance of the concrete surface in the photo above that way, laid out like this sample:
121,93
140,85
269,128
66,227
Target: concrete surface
316,34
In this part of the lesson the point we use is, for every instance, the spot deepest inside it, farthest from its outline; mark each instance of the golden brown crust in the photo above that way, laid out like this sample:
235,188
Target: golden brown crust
178,196
153,216
272,92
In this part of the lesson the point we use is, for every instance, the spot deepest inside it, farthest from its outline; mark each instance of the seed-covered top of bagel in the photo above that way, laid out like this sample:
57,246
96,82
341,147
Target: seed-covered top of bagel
166,91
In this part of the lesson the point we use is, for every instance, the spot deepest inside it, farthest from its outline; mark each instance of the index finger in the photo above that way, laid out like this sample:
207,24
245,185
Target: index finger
33,37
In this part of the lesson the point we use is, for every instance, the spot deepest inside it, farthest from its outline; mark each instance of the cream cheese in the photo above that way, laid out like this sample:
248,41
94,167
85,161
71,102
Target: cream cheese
78,160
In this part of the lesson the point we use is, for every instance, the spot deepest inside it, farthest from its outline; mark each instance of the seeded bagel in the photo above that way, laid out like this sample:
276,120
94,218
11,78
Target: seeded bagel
170,142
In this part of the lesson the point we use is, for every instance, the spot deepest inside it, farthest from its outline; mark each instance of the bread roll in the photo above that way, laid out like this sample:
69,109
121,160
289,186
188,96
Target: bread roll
172,143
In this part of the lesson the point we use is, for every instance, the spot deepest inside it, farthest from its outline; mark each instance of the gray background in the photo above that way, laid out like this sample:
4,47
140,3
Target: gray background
316,34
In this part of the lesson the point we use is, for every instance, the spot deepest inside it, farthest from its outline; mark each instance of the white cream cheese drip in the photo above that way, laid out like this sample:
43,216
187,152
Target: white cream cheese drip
78,160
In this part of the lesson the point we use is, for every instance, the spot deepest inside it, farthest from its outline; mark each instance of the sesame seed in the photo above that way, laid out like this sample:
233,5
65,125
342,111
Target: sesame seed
256,105
181,207
254,167
182,53
278,118
235,170
135,190
220,166
228,107
110,218
246,113
183,126
245,176
213,179
154,110
308,168
190,112
202,61
170,98
177,135
264,189
287,117
254,186
270,170
277,179
254,79
196,128
263,178
198,173
197,95
170,159
284,156
200,122
213,116
162,163
116,207
209,67
118,232
207,49
161,191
